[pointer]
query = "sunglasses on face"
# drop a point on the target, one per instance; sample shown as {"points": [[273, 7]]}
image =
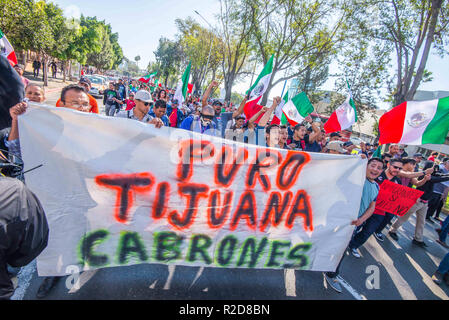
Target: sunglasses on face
{"points": [[207, 117], [146, 103]]}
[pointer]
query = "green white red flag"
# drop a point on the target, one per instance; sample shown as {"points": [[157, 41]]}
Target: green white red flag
{"points": [[416, 123], [343, 117], [181, 90], [279, 117], [7, 50], [148, 77], [297, 109], [258, 89]]}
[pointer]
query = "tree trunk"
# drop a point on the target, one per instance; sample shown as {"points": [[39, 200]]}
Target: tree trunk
{"points": [[64, 66], [44, 70], [228, 86], [70, 70]]}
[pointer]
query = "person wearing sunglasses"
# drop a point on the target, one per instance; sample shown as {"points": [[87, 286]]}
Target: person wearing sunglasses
{"points": [[421, 206], [141, 110], [379, 219], [202, 123], [86, 84]]}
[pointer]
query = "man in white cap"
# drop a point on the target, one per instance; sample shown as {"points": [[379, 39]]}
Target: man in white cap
{"points": [[140, 112], [335, 147]]}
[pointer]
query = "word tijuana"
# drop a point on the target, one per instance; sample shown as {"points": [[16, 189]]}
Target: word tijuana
{"points": [[284, 204]]}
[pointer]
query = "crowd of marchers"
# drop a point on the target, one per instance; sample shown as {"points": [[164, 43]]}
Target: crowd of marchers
{"points": [[159, 107]]}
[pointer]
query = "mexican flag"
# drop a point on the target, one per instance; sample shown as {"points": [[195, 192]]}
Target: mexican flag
{"points": [[377, 153], [148, 77], [279, 117], [416, 123], [181, 90], [343, 117], [7, 50], [154, 85], [258, 89], [297, 109]]}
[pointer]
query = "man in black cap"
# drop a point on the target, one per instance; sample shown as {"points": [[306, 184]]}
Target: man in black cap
{"points": [[334, 136], [418, 158]]}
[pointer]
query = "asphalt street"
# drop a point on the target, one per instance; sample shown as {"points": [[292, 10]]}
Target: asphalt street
{"points": [[389, 270]]}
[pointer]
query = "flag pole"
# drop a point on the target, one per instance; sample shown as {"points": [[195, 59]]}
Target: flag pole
{"points": [[252, 77]]}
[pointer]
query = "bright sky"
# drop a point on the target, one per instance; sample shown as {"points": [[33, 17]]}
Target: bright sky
{"points": [[140, 24]]}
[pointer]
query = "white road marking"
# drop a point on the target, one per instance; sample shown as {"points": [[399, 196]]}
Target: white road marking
{"points": [[153, 285], [84, 277], [198, 274], [350, 289], [379, 254], [290, 282], [171, 272], [428, 280], [24, 278]]}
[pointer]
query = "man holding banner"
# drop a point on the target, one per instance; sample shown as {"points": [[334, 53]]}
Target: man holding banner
{"points": [[420, 208], [367, 205], [380, 218]]}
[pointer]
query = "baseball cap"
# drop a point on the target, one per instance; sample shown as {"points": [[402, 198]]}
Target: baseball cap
{"points": [[217, 103], [85, 80], [143, 95], [348, 144], [336, 146], [418, 155], [21, 66], [335, 134], [175, 101], [240, 117]]}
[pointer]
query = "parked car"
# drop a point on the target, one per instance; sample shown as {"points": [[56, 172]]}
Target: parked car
{"points": [[98, 85]]}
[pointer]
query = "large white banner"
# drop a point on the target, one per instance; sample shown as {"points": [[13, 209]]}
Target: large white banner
{"points": [[120, 192]]}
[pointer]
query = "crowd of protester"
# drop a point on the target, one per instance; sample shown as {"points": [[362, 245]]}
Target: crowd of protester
{"points": [[158, 106]]}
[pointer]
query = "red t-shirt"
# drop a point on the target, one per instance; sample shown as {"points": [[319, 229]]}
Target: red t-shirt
{"points": [[130, 104]]}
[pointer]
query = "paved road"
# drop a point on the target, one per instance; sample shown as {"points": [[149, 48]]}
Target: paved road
{"points": [[404, 273]]}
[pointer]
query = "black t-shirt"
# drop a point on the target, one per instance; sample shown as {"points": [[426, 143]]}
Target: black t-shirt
{"points": [[109, 96], [383, 176], [302, 144]]}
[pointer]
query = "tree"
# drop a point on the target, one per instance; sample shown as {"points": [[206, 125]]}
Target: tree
{"points": [[409, 29], [137, 59], [108, 53], [169, 57], [201, 46], [364, 65], [301, 37], [237, 19]]}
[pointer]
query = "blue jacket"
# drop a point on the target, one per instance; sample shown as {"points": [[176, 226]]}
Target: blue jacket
{"points": [[164, 118], [193, 123], [180, 115]]}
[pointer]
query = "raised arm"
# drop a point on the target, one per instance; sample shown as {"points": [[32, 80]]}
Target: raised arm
{"points": [[266, 117], [315, 128], [257, 115], [239, 111], [411, 175], [206, 94]]}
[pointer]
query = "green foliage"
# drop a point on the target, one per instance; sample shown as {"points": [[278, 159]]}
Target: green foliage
{"points": [[200, 46], [169, 58], [408, 30], [41, 26]]}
